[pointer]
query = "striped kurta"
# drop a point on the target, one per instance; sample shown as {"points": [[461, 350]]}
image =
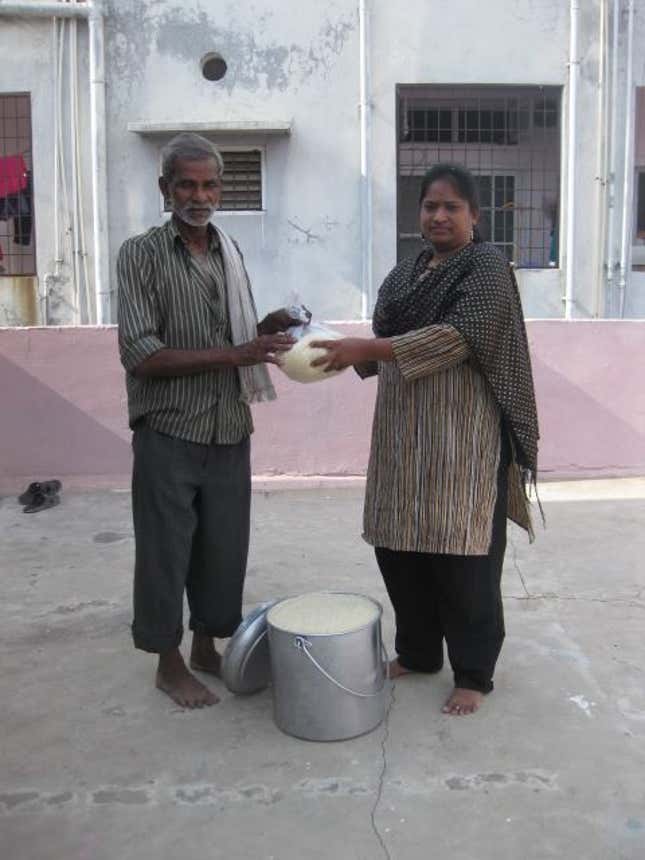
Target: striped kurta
{"points": [[432, 474], [168, 298]]}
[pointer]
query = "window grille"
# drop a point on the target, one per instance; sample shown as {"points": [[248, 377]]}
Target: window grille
{"points": [[509, 138], [17, 246], [242, 189]]}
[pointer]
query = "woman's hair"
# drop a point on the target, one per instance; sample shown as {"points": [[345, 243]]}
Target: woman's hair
{"points": [[188, 147], [461, 179]]}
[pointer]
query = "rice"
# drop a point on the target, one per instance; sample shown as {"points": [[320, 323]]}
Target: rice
{"points": [[296, 362], [323, 613]]}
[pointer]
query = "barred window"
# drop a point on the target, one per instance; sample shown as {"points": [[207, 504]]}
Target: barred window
{"points": [[509, 138], [242, 188], [17, 247]]}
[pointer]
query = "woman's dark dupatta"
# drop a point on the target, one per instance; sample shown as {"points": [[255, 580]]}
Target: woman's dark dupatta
{"points": [[474, 291]]}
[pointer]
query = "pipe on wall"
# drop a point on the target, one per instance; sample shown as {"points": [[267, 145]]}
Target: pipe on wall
{"points": [[603, 138], [367, 276], [44, 9], [611, 174], [99, 166], [574, 68], [628, 165]]}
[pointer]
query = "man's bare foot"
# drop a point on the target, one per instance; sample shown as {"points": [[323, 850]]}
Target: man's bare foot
{"points": [[397, 670], [174, 679], [204, 657], [463, 702]]}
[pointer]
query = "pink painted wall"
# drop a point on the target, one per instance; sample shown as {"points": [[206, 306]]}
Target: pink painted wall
{"points": [[64, 409]]}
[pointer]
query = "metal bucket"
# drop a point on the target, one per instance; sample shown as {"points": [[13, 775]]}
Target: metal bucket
{"points": [[328, 686]]}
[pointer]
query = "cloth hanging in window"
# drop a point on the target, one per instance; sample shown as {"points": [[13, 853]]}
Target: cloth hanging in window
{"points": [[13, 175], [18, 207]]}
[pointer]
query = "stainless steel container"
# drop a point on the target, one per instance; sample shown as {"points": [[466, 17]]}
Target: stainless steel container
{"points": [[329, 686]]}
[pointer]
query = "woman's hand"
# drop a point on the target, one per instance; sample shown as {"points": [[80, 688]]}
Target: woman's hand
{"points": [[351, 350]]}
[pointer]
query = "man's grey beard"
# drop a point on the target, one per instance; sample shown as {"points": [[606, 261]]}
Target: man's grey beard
{"points": [[187, 215]]}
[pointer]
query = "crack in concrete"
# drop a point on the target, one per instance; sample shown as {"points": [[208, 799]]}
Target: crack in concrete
{"points": [[517, 567], [384, 766], [308, 233], [609, 601]]}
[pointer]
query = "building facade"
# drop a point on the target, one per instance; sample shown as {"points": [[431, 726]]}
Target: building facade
{"points": [[327, 119]]}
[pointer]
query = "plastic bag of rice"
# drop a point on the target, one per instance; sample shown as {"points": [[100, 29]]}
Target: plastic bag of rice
{"points": [[296, 362]]}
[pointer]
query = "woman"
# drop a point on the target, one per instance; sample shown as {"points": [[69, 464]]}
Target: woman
{"points": [[454, 438]]}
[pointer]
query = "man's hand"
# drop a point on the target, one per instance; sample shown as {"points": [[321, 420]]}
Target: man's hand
{"points": [[279, 320], [351, 350], [263, 349]]}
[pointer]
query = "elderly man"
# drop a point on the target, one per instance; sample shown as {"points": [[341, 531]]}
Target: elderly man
{"points": [[195, 357]]}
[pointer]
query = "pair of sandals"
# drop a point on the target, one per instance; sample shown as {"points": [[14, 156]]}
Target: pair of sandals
{"points": [[40, 495]]}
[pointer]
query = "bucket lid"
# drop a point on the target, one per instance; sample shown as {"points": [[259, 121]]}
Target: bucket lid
{"points": [[246, 666]]}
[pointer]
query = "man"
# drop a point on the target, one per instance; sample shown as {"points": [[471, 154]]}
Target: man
{"points": [[195, 358]]}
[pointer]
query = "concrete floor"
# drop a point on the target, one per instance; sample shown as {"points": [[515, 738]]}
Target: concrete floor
{"points": [[95, 764]]}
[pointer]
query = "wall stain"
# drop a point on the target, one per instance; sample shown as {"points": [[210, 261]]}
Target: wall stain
{"points": [[127, 38], [189, 34]]}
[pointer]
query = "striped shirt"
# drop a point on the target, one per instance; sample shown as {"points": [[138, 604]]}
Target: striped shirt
{"points": [[432, 474], [170, 298]]}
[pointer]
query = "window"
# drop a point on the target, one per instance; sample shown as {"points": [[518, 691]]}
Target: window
{"points": [[509, 137], [242, 189], [242, 180], [498, 126], [497, 212], [17, 249], [429, 126]]}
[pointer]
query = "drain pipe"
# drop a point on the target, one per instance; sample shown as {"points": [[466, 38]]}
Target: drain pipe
{"points": [[574, 67], [366, 163], [93, 11], [628, 165], [601, 177], [613, 146], [35, 8], [99, 165]]}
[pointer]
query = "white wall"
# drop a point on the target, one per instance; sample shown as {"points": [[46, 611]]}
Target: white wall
{"points": [[282, 65], [301, 63]]}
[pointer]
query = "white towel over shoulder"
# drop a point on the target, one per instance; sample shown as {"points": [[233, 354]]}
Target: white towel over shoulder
{"points": [[255, 382]]}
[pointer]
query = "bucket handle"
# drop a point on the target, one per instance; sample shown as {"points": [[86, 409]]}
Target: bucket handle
{"points": [[303, 645]]}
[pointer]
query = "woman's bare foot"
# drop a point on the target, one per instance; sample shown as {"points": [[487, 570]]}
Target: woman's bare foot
{"points": [[462, 702], [397, 670], [174, 679], [204, 657]]}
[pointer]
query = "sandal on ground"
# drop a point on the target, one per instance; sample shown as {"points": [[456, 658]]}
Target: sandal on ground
{"points": [[45, 488], [40, 502]]}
